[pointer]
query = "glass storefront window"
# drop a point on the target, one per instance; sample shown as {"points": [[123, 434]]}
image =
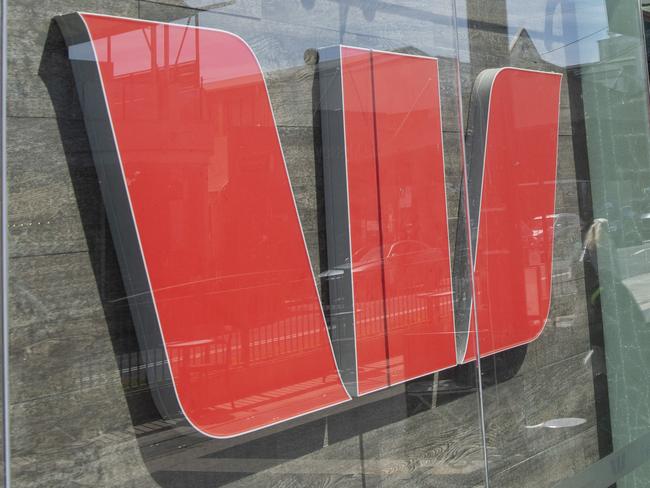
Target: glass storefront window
{"points": [[262, 243]]}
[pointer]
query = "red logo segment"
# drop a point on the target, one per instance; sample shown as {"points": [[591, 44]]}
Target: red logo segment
{"points": [[514, 256], [401, 274], [227, 264]]}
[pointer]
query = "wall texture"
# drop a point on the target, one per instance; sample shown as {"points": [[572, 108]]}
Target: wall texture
{"points": [[80, 409]]}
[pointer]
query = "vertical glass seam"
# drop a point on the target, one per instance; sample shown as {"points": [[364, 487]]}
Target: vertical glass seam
{"points": [[465, 203], [644, 49], [5, 253]]}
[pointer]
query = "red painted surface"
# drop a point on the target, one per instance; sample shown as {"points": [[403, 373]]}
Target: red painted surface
{"points": [[399, 236], [514, 258], [231, 279]]}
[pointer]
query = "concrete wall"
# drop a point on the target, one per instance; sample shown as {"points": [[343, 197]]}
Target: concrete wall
{"points": [[80, 409]]}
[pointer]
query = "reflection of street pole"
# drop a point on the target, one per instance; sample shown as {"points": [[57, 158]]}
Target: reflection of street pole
{"points": [[488, 36], [487, 48], [344, 9]]}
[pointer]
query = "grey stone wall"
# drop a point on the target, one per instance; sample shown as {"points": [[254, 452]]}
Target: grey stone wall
{"points": [[80, 410]]}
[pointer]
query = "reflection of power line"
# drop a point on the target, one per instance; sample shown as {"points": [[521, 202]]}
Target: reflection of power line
{"points": [[574, 41], [207, 5], [369, 10]]}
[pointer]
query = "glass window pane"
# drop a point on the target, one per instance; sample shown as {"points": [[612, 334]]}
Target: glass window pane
{"points": [[578, 393]]}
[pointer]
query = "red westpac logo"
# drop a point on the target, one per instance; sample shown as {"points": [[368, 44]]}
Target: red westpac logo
{"points": [[210, 242]]}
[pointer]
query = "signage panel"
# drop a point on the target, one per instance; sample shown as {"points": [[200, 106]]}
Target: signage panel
{"points": [[391, 174], [197, 166], [210, 244]]}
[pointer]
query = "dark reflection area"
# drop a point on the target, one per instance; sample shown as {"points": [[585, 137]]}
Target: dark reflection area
{"points": [[311, 59], [174, 454], [455, 383], [594, 311], [502, 366], [495, 369]]}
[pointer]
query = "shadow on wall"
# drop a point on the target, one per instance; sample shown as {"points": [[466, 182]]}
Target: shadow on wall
{"points": [[164, 442]]}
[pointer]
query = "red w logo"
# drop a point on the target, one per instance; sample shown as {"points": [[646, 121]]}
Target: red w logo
{"points": [[210, 243]]}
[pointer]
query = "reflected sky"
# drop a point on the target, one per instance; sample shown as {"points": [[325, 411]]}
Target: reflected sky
{"points": [[565, 32]]}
